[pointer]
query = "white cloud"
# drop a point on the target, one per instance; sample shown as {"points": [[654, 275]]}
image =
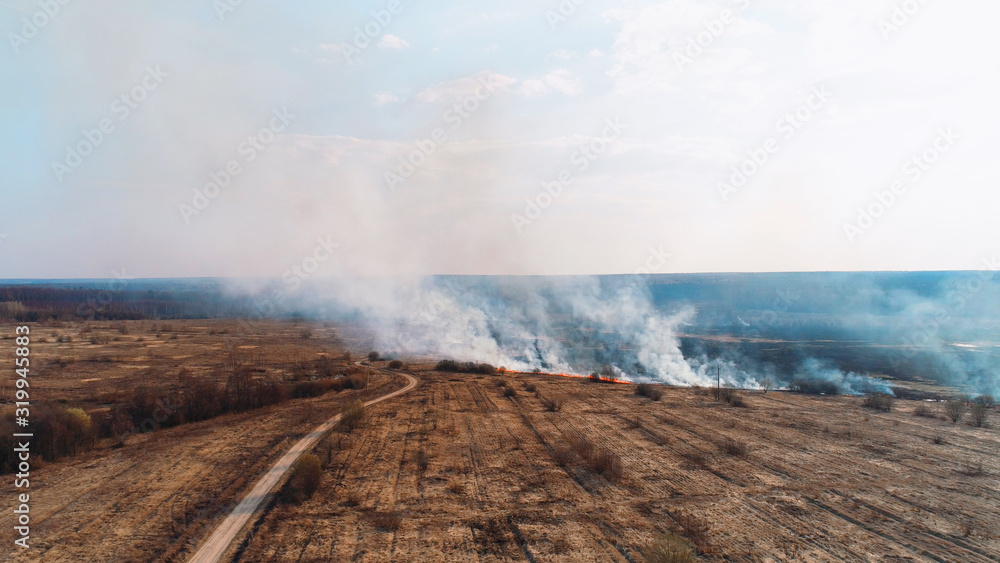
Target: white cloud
{"points": [[393, 42], [382, 98], [466, 86], [562, 54], [559, 80]]}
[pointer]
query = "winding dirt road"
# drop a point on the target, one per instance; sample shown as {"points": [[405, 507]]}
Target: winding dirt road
{"points": [[220, 540]]}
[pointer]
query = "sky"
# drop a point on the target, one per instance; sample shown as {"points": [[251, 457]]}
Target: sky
{"points": [[223, 138]]}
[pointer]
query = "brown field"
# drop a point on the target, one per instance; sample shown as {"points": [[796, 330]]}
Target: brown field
{"points": [[461, 469]]}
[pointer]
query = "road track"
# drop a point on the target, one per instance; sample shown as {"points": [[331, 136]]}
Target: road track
{"points": [[249, 508]]}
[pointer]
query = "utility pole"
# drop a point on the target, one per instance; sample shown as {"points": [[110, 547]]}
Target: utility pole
{"points": [[718, 375]]}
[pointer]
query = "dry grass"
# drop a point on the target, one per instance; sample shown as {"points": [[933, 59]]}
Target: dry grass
{"points": [[654, 392], [670, 548], [351, 415], [734, 447], [552, 405], [978, 415], [955, 410], [387, 521], [305, 479], [881, 402]]}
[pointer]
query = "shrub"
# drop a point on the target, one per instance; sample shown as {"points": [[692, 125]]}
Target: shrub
{"points": [[562, 456], [351, 415], [509, 392], [306, 475], [422, 460], [766, 384], [734, 448], [530, 387], [552, 405], [396, 364], [980, 413], [670, 548], [373, 356], [878, 401], [986, 400], [388, 521], [955, 409], [923, 411], [608, 464], [729, 395], [654, 392], [465, 367]]}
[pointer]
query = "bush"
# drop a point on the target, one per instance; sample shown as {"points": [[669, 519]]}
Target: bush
{"points": [[203, 400], [373, 356], [670, 548], [388, 521], [306, 475], [955, 409], [608, 464], [552, 405], [351, 415], [654, 392], [62, 433], [878, 401], [923, 411], [465, 367], [396, 364], [979, 414], [562, 456], [509, 392], [530, 387], [986, 400], [734, 448], [729, 395]]}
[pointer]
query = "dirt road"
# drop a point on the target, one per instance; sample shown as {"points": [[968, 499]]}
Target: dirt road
{"points": [[220, 540]]}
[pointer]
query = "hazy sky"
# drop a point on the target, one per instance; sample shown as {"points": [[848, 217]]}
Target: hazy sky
{"points": [[644, 108]]}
